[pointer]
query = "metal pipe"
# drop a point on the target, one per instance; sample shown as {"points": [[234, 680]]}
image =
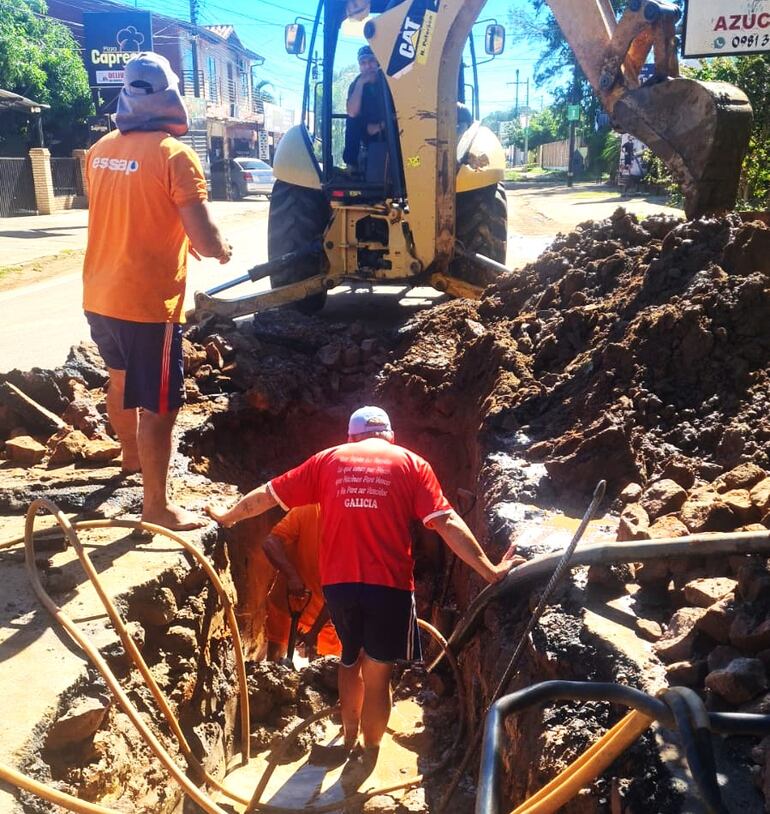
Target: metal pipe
{"points": [[694, 545]]}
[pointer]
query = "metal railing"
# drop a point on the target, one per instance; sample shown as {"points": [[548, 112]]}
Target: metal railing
{"points": [[17, 187], [66, 176]]}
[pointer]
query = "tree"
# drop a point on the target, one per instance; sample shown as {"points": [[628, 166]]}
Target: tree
{"points": [[39, 59]]}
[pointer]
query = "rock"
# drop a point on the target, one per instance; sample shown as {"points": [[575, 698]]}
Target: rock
{"points": [[667, 527], [634, 523], [158, 610], [678, 641], [330, 355], [718, 619], [721, 656], [753, 581], [739, 503], [748, 634], [686, 673], [680, 470], [80, 721], [83, 415], [613, 577], [631, 493], [654, 573], [760, 496], [742, 680], [743, 476], [180, 639], [25, 450], [368, 348], [193, 357], [351, 356], [703, 593], [758, 706], [662, 497], [704, 510], [76, 446], [648, 629]]}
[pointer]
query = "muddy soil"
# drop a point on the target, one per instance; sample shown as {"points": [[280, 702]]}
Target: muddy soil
{"points": [[635, 351]]}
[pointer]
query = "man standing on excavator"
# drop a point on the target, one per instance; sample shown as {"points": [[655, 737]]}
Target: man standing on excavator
{"points": [[369, 490], [147, 209], [365, 108]]}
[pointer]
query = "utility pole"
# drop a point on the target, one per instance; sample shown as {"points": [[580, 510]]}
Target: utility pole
{"points": [[526, 128], [194, 10], [516, 106], [571, 149]]}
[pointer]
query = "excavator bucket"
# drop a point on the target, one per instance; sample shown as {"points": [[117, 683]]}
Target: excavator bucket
{"points": [[699, 129]]}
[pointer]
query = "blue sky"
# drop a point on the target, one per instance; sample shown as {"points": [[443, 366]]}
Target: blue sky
{"points": [[260, 24]]}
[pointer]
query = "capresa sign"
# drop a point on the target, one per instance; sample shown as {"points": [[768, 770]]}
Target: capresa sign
{"points": [[112, 38]]}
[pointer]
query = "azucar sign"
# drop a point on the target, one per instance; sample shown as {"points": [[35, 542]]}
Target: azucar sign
{"points": [[112, 39], [723, 27]]}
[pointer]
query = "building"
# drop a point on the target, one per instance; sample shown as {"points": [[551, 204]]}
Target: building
{"points": [[217, 76]]}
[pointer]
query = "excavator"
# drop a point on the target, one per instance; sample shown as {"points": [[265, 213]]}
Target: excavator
{"points": [[426, 205]]}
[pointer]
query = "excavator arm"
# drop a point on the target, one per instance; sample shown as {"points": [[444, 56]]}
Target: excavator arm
{"points": [[699, 129]]}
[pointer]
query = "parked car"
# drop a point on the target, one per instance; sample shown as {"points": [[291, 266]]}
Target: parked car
{"points": [[248, 176]]}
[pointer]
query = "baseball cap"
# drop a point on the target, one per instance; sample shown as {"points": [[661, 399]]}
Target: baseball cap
{"points": [[149, 99], [368, 419], [365, 51], [148, 73]]}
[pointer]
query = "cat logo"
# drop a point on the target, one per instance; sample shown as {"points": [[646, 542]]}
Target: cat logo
{"points": [[409, 38]]}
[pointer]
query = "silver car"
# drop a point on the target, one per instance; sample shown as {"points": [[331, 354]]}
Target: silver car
{"points": [[248, 176], [256, 176]]}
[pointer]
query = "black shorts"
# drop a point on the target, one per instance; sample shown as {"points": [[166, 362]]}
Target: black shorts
{"points": [[379, 620], [151, 355]]}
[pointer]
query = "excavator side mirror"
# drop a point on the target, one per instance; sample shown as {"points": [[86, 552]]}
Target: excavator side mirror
{"points": [[494, 41], [294, 39]]}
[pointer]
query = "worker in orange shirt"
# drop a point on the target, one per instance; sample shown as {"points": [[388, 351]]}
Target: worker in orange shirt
{"points": [[147, 210], [292, 549]]}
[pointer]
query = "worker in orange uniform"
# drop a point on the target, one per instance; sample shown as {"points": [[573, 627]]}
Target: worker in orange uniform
{"points": [[147, 210], [292, 549]]}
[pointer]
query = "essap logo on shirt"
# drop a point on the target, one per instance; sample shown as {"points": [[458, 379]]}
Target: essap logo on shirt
{"points": [[124, 165]]}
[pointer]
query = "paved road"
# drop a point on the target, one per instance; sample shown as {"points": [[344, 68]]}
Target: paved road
{"points": [[41, 321]]}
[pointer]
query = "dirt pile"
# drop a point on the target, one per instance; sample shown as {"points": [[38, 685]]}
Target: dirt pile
{"points": [[626, 346]]}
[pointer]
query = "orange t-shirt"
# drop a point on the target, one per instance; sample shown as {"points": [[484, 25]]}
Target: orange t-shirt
{"points": [[300, 533], [136, 260]]}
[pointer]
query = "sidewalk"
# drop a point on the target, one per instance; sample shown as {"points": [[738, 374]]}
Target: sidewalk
{"points": [[33, 237]]}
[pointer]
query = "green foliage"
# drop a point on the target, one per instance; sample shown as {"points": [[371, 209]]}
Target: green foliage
{"points": [[39, 59], [752, 75]]}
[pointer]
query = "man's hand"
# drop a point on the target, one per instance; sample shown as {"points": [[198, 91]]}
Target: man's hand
{"points": [[509, 561], [227, 253], [296, 586], [220, 515]]}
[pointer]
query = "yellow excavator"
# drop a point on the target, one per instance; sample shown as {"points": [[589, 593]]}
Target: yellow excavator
{"points": [[423, 203]]}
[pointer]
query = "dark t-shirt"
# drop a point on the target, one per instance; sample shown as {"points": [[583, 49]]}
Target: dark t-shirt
{"points": [[372, 108]]}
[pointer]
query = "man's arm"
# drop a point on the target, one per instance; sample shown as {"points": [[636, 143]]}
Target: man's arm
{"points": [[356, 97], [276, 554], [460, 539], [204, 234], [256, 502]]}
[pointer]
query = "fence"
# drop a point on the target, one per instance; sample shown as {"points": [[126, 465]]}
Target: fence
{"points": [[17, 187], [65, 173], [555, 155]]}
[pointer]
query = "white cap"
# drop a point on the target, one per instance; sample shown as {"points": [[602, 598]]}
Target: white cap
{"points": [[368, 419]]}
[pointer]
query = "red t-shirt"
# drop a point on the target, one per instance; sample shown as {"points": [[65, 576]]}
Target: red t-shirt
{"points": [[369, 492]]}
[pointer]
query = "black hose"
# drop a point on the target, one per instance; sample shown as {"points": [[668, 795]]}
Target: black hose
{"points": [[699, 754]]}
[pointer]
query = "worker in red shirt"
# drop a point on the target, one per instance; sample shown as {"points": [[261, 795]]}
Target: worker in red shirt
{"points": [[369, 490]]}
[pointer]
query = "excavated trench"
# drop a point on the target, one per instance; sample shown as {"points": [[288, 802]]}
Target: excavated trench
{"points": [[635, 352]]}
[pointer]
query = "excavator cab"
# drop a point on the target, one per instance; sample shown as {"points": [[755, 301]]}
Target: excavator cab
{"points": [[422, 201], [416, 198]]}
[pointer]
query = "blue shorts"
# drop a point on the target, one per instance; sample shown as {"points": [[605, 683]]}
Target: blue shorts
{"points": [[379, 620], [151, 355]]}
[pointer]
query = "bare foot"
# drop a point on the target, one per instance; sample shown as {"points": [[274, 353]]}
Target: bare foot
{"points": [[174, 518], [129, 464]]}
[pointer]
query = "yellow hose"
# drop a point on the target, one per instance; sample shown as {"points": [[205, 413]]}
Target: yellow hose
{"points": [[587, 767]]}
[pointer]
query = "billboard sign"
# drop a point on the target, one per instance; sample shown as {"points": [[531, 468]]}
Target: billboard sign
{"points": [[726, 27], [112, 38]]}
